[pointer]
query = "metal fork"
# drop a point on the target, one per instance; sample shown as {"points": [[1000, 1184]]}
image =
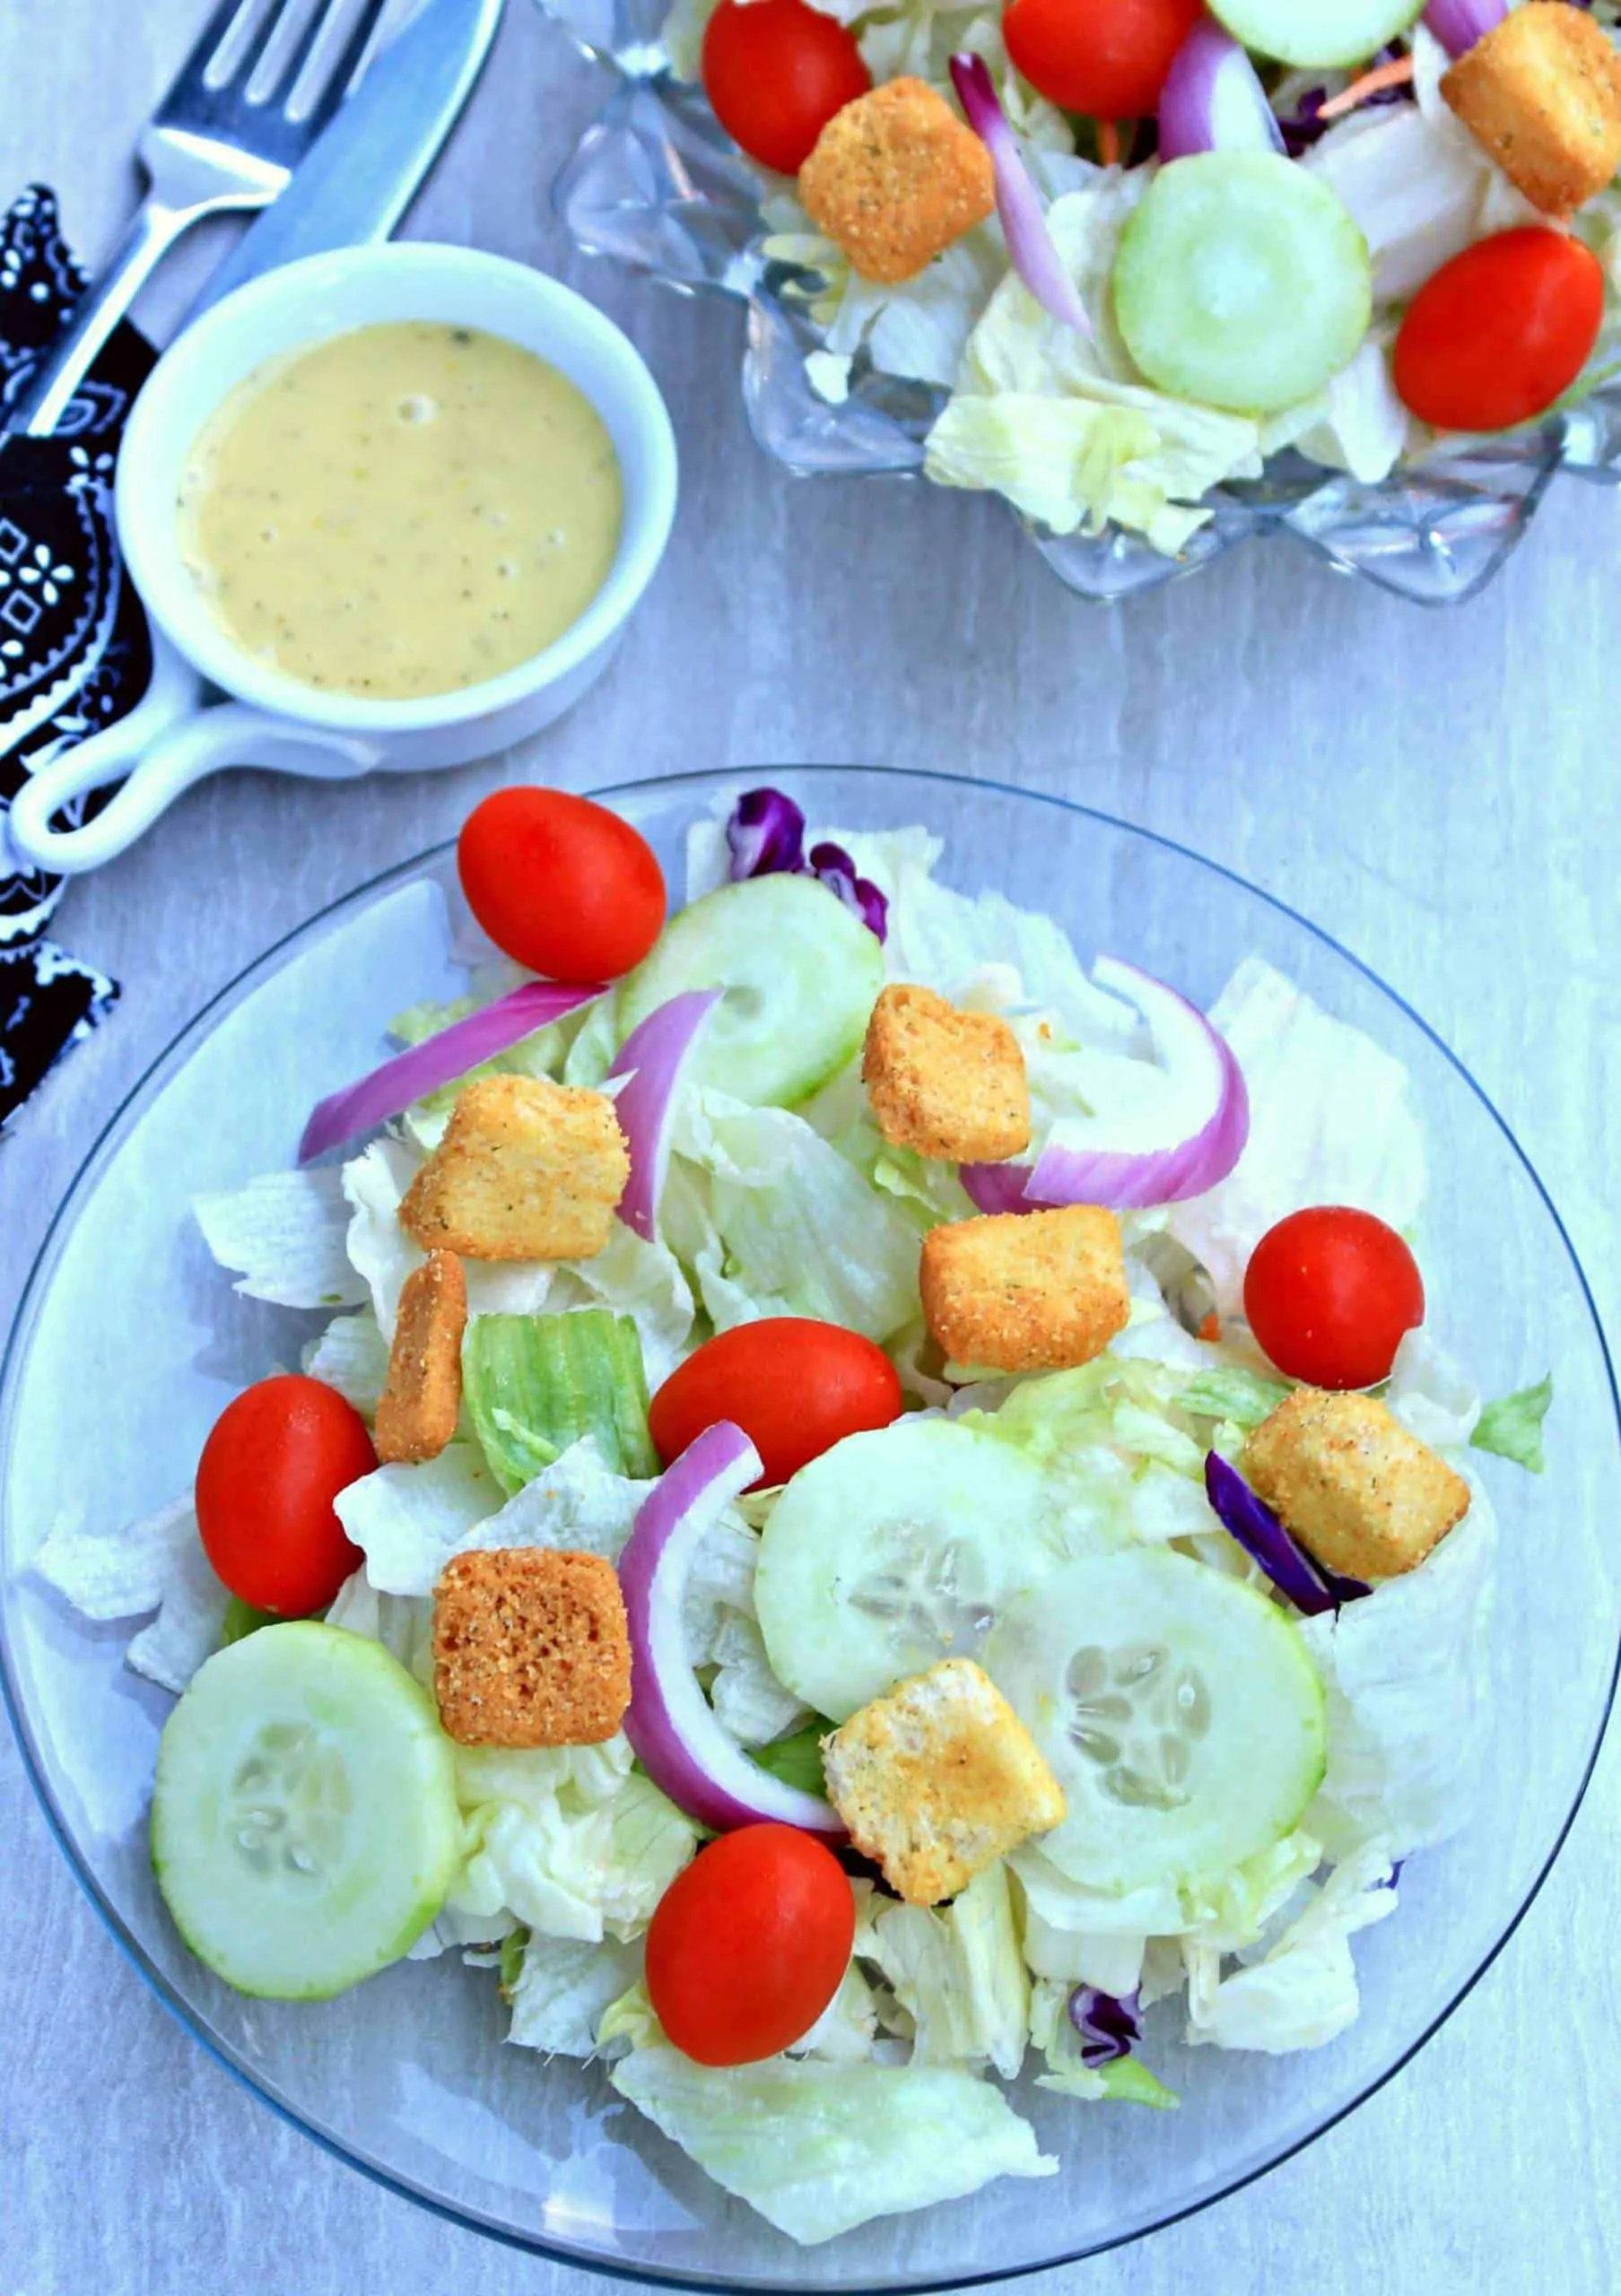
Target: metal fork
{"points": [[229, 133]]}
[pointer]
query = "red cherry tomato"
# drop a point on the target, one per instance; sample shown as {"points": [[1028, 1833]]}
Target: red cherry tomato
{"points": [[1329, 1293], [1501, 331], [277, 1458], [749, 1944], [563, 886], [793, 1385], [1107, 58], [776, 72]]}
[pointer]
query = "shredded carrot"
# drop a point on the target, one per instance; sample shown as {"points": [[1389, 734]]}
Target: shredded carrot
{"points": [[1372, 84], [1211, 1327], [1108, 142]]}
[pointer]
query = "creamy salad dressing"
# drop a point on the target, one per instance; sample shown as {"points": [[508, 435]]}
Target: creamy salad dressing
{"points": [[404, 509]]}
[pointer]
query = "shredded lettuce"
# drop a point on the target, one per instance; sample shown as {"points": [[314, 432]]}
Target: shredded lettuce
{"points": [[797, 1759], [960, 1975], [817, 2149], [352, 1355], [534, 1384], [747, 1697], [1406, 1673], [1230, 1391], [571, 1840], [773, 1221], [282, 1235], [409, 1521], [559, 1990], [1512, 1426], [1302, 1993], [156, 1564]]}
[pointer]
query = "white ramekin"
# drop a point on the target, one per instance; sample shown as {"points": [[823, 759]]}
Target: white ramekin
{"points": [[179, 731]]}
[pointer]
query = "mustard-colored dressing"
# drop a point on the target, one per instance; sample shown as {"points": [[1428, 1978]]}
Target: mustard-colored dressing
{"points": [[403, 510]]}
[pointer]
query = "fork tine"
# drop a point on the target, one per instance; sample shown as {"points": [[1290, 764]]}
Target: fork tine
{"points": [[206, 46], [254, 54], [343, 68], [314, 32]]}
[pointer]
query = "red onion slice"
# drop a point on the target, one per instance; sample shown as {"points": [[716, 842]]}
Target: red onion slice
{"points": [[652, 1058], [1212, 100], [680, 1745], [1132, 1179], [1457, 24], [1030, 247], [440, 1060]]}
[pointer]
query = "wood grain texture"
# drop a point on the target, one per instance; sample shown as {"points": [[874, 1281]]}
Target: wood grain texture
{"points": [[1441, 792]]}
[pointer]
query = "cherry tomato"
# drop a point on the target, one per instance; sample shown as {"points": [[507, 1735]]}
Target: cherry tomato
{"points": [[749, 1944], [1329, 1293], [563, 886], [776, 72], [793, 1385], [275, 1461], [1107, 58], [1498, 334]]}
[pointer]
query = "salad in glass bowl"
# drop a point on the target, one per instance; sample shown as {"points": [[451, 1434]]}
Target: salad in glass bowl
{"points": [[1157, 275], [880, 1510]]}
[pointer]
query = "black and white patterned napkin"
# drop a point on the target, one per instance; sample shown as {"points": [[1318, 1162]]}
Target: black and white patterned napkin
{"points": [[74, 653]]}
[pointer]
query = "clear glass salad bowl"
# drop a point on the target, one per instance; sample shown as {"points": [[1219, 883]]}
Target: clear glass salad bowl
{"points": [[406, 2077], [657, 185]]}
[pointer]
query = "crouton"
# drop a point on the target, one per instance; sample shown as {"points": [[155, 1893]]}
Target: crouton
{"points": [[1026, 1292], [1542, 94], [525, 1170], [1366, 1497], [950, 1084], [895, 179], [938, 1778], [530, 1649], [422, 1396]]}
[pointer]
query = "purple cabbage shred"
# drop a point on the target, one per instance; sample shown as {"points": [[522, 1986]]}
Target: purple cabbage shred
{"points": [[765, 834], [765, 837], [1305, 126], [1310, 1585], [832, 866], [1109, 2028]]}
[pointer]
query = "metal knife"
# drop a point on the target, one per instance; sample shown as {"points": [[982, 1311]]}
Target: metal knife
{"points": [[364, 170]]}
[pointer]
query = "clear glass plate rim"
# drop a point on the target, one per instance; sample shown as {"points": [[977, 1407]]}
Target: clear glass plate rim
{"points": [[321, 925]]}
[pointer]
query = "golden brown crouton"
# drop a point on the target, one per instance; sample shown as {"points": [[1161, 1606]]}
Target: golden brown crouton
{"points": [[422, 1396], [1542, 94], [938, 1778], [525, 1170], [530, 1649], [949, 1085], [1352, 1484], [1026, 1292], [895, 179]]}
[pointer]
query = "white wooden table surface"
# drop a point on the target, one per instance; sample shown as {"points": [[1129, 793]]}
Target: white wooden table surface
{"points": [[1442, 792]]}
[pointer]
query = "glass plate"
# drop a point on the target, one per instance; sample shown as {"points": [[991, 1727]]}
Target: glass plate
{"points": [[130, 1341], [656, 184]]}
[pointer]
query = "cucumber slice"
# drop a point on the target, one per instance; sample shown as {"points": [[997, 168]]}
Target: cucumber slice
{"points": [[1316, 32], [895, 1550], [304, 1826], [1177, 1708], [801, 974], [1241, 281]]}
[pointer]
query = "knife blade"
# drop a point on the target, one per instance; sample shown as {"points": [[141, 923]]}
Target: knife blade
{"points": [[364, 169]]}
